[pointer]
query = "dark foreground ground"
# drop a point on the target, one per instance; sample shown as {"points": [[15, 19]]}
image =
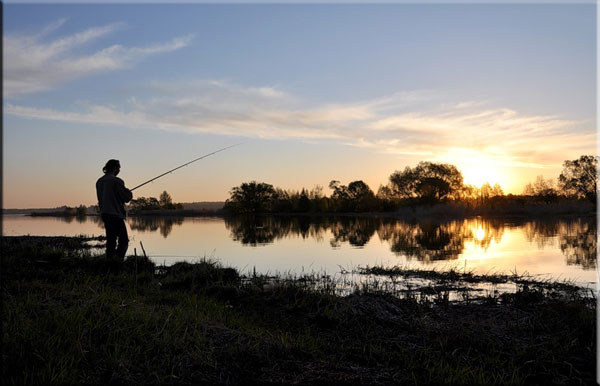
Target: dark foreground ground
{"points": [[68, 317]]}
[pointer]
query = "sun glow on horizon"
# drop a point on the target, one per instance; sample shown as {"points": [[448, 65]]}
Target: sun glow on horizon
{"points": [[478, 175], [478, 168]]}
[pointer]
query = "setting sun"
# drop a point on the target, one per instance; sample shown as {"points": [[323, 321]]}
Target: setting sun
{"points": [[478, 175], [477, 168]]}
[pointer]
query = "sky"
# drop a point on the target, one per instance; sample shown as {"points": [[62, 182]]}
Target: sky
{"points": [[313, 93]]}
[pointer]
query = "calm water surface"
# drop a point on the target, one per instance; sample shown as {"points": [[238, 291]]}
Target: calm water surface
{"points": [[558, 248]]}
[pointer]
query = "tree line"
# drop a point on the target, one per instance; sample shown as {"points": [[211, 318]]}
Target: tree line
{"points": [[425, 184], [164, 202]]}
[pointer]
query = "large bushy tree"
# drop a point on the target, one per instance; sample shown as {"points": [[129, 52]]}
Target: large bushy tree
{"points": [[580, 177], [251, 197], [428, 181], [356, 197]]}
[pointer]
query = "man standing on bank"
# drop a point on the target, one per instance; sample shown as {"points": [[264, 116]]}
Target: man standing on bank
{"points": [[112, 196]]}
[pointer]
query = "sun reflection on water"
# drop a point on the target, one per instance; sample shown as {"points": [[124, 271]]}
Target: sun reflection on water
{"points": [[479, 234]]}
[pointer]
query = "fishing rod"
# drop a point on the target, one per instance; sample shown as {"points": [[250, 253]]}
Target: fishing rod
{"points": [[185, 164]]}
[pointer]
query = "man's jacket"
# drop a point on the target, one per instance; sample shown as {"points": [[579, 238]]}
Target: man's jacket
{"points": [[112, 195]]}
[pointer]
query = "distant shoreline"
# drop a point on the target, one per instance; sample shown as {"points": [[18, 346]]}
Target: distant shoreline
{"points": [[440, 210], [61, 211]]}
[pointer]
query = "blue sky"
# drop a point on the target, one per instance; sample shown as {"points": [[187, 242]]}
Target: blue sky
{"points": [[316, 92]]}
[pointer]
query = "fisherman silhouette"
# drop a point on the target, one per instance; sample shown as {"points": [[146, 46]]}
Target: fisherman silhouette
{"points": [[112, 196]]}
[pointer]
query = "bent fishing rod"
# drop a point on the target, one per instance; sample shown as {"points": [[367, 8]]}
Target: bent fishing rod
{"points": [[185, 164]]}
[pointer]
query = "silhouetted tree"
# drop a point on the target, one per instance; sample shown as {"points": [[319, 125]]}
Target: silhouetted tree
{"points": [[319, 203], [361, 196], [152, 203], [469, 191], [385, 193], [486, 191], [580, 177], [303, 202], [81, 211], [403, 184], [432, 189], [68, 210], [386, 198], [340, 196], [542, 189], [165, 201], [357, 196], [497, 190], [428, 181], [251, 197], [340, 192]]}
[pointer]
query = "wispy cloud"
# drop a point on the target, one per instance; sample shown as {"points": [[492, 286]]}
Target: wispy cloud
{"points": [[505, 135], [33, 64], [413, 124]]}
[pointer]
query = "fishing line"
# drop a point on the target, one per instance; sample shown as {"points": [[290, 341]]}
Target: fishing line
{"points": [[185, 164]]}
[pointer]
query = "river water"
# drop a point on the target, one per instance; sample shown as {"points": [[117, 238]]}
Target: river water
{"points": [[563, 249]]}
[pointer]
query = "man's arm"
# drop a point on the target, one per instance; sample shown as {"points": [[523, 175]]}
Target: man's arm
{"points": [[124, 193], [128, 195]]}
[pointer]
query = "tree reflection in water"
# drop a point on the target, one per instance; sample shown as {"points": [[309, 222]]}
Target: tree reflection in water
{"points": [[578, 243], [576, 238], [95, 220], [542, 232], [425, 240], [253, 230], [260, 230], [355, 231], [163, 224], [484, 231]]}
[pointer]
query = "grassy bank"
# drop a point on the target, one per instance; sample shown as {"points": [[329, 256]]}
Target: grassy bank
{"points": [[68, 317]]}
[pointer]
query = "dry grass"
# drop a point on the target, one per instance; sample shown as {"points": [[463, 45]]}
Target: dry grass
{"points": [[69, 317]]}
